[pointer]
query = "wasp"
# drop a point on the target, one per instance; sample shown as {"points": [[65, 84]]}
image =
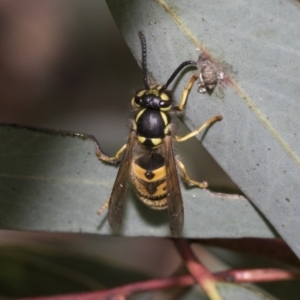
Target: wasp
{"points": [[148, 156]]}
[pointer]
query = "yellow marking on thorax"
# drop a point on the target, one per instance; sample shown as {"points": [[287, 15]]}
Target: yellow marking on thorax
{"points": [[139, 114], [164, 117], [167, 129], [141, 93], [165, 108], [141, 139], [133, 103], [164, 97], [156, 141], [155, 92]]}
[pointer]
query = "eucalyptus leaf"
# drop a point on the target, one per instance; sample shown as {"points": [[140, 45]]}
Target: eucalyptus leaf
{"points": [[230, 291], [245, 292], [53, 181], [257, 45]]}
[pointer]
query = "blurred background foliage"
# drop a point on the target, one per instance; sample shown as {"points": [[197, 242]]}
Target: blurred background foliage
{"points": [[64, 65]]}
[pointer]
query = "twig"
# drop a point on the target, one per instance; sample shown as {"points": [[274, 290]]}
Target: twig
{"points": [[240, 276], [257, 275], [201, 275], [126, 290]]}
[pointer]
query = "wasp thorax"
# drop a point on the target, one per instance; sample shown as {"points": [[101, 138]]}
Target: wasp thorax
{"points": [[151, 126]]}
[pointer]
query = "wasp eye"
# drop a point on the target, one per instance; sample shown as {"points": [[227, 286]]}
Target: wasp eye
{"points": [[137, 100]]}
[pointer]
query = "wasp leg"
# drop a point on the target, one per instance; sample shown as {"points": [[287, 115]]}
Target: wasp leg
{"points": [[201, 185], [195, 132], [103, 208], [185, 93], [106, 158]]}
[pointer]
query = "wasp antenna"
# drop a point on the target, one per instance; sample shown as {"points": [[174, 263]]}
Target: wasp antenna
{"points": [[144, 60], [175, 73]]}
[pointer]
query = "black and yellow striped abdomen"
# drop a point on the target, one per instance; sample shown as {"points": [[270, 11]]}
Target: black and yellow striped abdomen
{"points": [[148, 175]]}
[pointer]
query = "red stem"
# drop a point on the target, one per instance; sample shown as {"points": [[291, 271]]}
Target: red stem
{"points": [[124, 291], [201, 274], [255, 275], [196, 269]]}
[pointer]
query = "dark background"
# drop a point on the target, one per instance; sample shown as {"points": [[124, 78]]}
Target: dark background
{"points": [[64, 65]]}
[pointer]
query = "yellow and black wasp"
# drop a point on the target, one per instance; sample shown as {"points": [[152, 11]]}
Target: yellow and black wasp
{"points": [[148, 156]]}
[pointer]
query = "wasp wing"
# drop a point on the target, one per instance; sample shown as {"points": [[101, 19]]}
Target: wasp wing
{"points": [[174, 198], [117, 197]]}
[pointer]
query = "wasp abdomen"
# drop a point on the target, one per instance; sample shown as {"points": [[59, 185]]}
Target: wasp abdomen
{"points": [[148, 174]]}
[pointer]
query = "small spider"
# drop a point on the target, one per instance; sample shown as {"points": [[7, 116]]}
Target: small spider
{"points": [[209, 75]]}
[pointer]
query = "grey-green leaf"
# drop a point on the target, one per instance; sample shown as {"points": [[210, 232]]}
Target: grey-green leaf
{"points": [[245, 292], [53, 181], [257, 45], [230, 291]]}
